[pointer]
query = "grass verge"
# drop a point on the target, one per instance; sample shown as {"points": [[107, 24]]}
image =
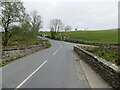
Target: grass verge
{"points": [[108, 55], [3, 63], [49, 45]]}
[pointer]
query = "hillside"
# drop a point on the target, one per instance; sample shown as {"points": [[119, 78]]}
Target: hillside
{"points": [[97, 36]]}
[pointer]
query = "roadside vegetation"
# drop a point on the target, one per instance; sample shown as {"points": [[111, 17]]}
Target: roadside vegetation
{"points": [[49, 45], [21, 41], [110, 55], [3, 63]]}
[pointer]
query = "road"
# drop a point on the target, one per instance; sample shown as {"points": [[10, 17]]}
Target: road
{"points": [[55, 67]]}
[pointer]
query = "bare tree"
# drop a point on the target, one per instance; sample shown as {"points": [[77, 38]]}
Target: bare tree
{"points": [[56, 25], [36, 20], [12, 13], [68, 28]]}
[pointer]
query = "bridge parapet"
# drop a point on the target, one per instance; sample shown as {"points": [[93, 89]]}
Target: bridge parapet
{"points": [[107, 70]]}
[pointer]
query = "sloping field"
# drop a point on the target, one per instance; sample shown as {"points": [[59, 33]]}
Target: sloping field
{"points": [[96, 36]]}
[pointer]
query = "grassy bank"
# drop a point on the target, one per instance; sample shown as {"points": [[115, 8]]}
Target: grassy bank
{"points": [[109, 55], [22, 41]]}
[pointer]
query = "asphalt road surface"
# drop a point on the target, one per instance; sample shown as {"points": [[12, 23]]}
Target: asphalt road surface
{"points": [[55, 67]]}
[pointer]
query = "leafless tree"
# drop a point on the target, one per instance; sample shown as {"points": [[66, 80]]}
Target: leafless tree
{"points": [[56, 24], [68, 28], [36, 20]]}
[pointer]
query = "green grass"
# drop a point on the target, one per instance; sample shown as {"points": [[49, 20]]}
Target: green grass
{"points": [[23, 37], [108, 55], [23, 40], [3, 63], [96, 36], [92, 36], [49, 45]]}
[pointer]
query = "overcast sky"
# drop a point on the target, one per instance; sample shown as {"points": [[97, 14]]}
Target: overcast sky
{"points": [[95, 14]]}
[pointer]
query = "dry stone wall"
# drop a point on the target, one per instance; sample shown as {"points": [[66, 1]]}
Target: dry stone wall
{"points": [[107, 70], [8, 54]]}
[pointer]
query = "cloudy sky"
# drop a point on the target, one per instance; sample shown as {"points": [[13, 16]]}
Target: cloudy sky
{"points": [[91, 14]]}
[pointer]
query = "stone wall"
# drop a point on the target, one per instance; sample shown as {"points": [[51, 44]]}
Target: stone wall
{"points": [[88, 47], [92, 48], [8, 54], [96, 43], [107, 70]]}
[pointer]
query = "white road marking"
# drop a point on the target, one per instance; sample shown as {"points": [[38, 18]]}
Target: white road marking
{"points": [[55, 52], [30, 75]]}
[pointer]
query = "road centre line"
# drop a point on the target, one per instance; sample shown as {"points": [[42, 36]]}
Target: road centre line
{"points": [[55, 51], [30, 76]]}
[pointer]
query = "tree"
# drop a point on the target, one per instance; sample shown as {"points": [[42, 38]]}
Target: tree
{"points": [[36, 21], [12, 13], [75, 29], [68, 28], [56, 24], [26, 26], [31, 24], [52, 33], [16, 30]]}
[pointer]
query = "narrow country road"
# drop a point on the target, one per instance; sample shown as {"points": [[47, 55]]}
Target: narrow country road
{"points": [[55, 67]]}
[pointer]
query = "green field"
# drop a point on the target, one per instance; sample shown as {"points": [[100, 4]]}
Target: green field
{"points": [[96, 36]]}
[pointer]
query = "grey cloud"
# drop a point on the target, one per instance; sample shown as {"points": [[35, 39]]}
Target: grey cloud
{"points": [[92, 15]]}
